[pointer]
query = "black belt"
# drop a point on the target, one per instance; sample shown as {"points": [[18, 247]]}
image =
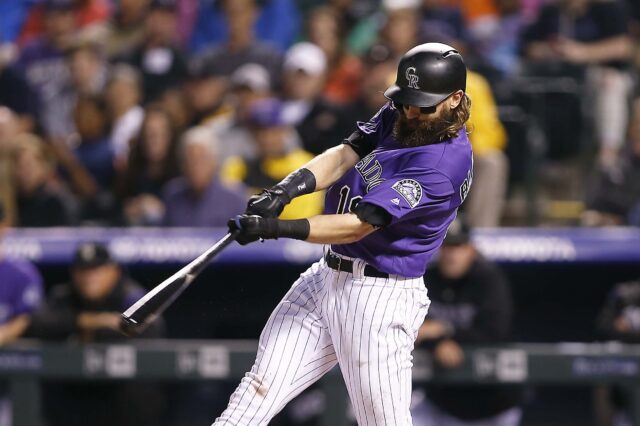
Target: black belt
{"points": [[341, 264]]}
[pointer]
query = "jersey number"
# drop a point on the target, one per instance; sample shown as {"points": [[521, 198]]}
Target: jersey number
{"points": [[344, 196]]}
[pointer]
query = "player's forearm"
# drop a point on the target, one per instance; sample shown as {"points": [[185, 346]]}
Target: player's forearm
{"points": [[13, 329], [337, 229], [329, 166]]}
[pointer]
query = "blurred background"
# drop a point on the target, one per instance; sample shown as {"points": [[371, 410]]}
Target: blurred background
{"points": [[131, 130]]}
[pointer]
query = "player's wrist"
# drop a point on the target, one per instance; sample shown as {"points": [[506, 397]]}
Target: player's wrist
{"points": [[272, 228], [296, 229], [297, 183]]}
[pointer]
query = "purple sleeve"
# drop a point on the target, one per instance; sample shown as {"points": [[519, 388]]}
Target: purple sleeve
{"points": [[411, 195], [28, 292], [369, 133]]}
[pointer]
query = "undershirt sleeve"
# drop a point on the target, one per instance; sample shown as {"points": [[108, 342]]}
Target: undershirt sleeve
{"points": [[372, 214]]}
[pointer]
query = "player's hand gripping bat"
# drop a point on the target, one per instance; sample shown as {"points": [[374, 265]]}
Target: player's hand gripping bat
{"points": [[148, 308]]}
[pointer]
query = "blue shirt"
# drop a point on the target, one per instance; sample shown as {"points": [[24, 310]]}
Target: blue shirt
{"points": [[421, 188], [20, 289], [212, 208]]}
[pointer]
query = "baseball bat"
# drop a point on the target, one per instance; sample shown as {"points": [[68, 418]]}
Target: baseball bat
{"points": [[153, 304]]}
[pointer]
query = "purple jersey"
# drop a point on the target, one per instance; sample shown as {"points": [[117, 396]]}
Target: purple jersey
{"points": [[20, 289], [421, 188]]}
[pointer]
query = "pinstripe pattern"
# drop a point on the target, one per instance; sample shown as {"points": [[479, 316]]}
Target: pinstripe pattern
{"points": [[366, 325]]}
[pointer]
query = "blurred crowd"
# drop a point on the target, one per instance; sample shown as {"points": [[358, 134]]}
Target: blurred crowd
{"points": [[171, 112]]}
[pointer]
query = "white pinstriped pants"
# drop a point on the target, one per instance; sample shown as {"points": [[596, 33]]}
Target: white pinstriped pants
{"points": [[367, 325]]}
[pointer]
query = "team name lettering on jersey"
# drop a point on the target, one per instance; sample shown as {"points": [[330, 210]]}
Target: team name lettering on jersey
{"points": [[370, 171], [466, 185]]}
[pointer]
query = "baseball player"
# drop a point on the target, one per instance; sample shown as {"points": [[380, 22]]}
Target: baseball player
{"points": [[393, 187]]}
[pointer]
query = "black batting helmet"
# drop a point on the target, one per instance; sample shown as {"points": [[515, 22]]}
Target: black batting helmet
{"points": [[427, 75]]}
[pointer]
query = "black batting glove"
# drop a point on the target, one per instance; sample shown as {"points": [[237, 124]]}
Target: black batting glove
{"points": [[252, 228], [269, 203]]}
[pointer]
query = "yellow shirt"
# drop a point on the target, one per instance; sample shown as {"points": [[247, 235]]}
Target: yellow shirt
{"points": [[487, 133], [235, 170]]}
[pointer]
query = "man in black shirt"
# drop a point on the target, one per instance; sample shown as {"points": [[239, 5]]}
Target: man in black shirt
{"points": [[87, 310], [470, 304], [591, 36]]}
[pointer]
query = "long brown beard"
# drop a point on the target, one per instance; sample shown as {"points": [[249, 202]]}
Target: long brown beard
{"points": [[414, 132]]}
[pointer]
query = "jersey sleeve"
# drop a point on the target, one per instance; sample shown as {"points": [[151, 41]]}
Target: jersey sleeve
{"points": [[412, 195], [368, 134], [29, 293]]}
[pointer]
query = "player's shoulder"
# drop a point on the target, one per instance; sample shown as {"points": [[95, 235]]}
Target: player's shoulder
{"points": [[380, 121], [23, 271]]}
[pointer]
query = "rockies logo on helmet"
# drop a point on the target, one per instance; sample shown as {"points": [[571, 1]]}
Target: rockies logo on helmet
{"points": [[412, 77]]}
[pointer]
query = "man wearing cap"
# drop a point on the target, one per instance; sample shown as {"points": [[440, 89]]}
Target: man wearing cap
{"points": [[87, 310], [278, 155], [393, 189], [250, 83], [320, 123], [470, 304]]}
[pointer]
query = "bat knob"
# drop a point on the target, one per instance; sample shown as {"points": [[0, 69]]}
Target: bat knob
{"points": [[129, 327]]}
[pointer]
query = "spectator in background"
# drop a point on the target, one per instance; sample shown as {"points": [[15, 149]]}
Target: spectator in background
{"points": [[470, 303], [152, 163], [396, 27], [86, 13], [198, 198], [498, 42], [89, 163], [123, 96], [380, 74], [618, 320], [9, 129], [278, 155], [443, 23], [126, 27], [175, 102], [401, 30], [87, 68], [614, 194], [353, 11], [87, 310], [94, 150], [320, 123], [242, 46], [20, 294], [42, 62], [88, 71], [276, 22], [161, 62], [249, 84], [205, 93], [39, 201], [345, 71], [490, 164], [16, 95], [594, 35]]}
